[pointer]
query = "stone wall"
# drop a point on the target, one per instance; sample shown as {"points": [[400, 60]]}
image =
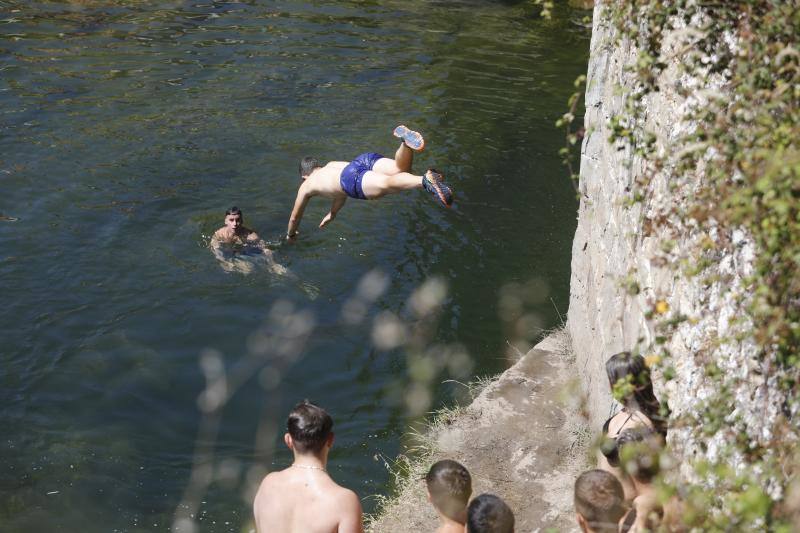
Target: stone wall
{"points": [[613, 258]]}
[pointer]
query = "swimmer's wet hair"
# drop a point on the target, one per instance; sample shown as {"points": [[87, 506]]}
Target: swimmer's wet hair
{"points": [[489, 514], [309, 425], [450, 486], [600, 500], [234, 211], [307, 165]]}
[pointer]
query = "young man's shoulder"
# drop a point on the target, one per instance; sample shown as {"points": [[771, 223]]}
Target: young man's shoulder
{"points": [[272, 481], [344, 495], [347, 501], [221, 233]]}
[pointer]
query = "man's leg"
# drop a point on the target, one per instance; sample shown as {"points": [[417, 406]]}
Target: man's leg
{"points": [[403, 158], [376, 184]]}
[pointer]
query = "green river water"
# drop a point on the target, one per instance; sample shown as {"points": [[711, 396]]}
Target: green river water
{"points": [[128, 127]]}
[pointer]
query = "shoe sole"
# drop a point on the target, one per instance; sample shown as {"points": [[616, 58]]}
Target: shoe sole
{"points": [[437, 187], [411, 138]]}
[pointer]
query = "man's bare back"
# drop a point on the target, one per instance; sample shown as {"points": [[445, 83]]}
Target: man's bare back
{"points": [[305, 500], [367, 177], [324, 181]]}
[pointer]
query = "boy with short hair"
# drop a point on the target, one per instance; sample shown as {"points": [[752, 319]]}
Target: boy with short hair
{"points": [[303, 498], [449, 487], [599, 502], [369, 176], [489, 514], [640, 456], [242, 242]]}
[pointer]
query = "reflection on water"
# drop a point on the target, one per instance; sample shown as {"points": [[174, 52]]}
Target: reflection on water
{"points": [[126, 129]]}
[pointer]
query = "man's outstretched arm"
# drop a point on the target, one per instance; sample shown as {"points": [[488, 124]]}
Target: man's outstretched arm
{"points": [[297, 212], [337, 204]]}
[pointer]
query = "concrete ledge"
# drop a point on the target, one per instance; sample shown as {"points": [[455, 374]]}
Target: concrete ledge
{"points": [[521, 438]]}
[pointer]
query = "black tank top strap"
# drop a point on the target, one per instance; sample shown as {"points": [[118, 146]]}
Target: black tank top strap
{"points": [[608, 422], [630, 519]]}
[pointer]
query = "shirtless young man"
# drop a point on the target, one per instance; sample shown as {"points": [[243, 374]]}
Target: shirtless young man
{"points": [[303, 498], [236, 234], [233, 232], [367, 177]]}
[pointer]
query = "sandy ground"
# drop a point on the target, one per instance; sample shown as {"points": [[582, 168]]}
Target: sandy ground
{"points": [[522, 439]]}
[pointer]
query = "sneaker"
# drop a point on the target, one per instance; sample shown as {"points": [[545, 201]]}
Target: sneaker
{"points": [[432, 182], [411, 138]]}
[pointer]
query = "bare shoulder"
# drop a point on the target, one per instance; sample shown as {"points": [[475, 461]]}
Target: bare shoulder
{"points": [[349, 510], [348, 501], [221, 234], [347, 495], [270, 481]]}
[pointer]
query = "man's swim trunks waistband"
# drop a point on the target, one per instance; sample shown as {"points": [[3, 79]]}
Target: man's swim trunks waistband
{"points": [[353, 174]]}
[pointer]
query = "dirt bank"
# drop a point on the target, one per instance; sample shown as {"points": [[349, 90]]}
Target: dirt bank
{"points": [[521, 438]]}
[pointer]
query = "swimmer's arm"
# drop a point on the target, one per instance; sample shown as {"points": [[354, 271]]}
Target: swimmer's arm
{"points": [[337, 204], [303, 196], [350, 521], [216, 246]]}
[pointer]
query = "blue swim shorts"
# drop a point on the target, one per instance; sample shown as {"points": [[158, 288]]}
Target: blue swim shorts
{"points": [[352, 174]]}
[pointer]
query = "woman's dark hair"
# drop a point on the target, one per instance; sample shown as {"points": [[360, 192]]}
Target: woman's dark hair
{"points": [[307, 165], [234, 211], [450, 486], [624, 364], [309, 425], [489, 514]]}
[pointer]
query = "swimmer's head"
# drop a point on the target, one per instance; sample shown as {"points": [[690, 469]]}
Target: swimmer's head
{"points": [[309, 428], [307, 166], [234, 218], [449, 488]]}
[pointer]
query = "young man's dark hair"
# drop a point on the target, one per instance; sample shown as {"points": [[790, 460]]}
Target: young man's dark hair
{"points": [[234, 211], [309, 426], [639, 450], [307, 165], [450, 487], [599, 501], [489, 514]]}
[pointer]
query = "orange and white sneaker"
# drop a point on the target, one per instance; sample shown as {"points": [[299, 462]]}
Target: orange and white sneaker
{"points": [[432, 182], [412, 139]]}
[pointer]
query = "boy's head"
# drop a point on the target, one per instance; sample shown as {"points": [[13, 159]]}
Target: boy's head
{"points": [[449, 488], [489, 514], [309, 428], [234, 218], [599, 501], [307, 166]]}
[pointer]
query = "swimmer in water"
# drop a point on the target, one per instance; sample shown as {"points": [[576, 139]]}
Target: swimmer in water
{"points": [[234, 232], [241, 240], [368, 177]]}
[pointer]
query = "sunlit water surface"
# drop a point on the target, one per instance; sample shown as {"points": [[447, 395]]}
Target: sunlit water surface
{"points": [[128, 127]]}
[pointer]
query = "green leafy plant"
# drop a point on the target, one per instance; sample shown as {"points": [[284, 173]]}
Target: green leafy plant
{"points": [[738, 169]]}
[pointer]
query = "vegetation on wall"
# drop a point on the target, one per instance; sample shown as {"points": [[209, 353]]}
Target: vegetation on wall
{"points": [[735, 177]]}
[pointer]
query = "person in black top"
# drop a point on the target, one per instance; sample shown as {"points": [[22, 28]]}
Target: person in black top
{"points": [[629, 378]]}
